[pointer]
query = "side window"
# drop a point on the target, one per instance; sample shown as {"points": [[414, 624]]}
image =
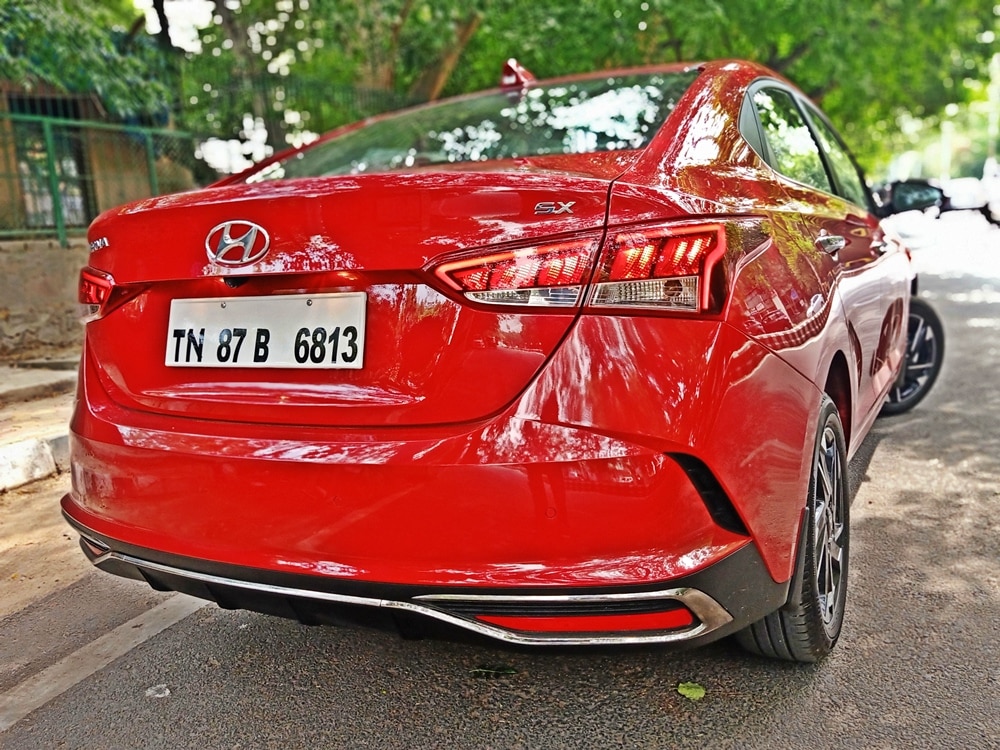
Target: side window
{"points": [[851, 185], [794, 152]]}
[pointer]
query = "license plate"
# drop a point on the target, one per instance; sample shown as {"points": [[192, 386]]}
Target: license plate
{"points": [[318, 331]]}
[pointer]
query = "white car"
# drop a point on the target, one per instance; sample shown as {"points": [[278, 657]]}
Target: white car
{"points": [[972, 194]]}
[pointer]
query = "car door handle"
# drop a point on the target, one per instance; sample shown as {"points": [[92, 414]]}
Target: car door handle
{"points": [[831, 244]]}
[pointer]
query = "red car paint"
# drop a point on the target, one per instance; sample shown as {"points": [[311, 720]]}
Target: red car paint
{"points": [[491, 448]]}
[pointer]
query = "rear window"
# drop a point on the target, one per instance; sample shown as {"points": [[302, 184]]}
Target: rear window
{"points": [[599, 114]]}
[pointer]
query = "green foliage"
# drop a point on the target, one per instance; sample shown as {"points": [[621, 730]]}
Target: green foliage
{"points": [[311, 65], [81, 46], [863, 61], [297, 66]]}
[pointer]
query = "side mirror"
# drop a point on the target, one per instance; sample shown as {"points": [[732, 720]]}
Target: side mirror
{"points": [[912, 195]]}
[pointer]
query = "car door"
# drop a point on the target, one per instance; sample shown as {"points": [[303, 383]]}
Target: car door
{"points": [[839, 237], [870, 244]]}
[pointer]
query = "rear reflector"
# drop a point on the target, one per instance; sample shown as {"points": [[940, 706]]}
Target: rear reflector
{"points": [[98, 294], [673, 619], [660, 268], [551, 275], [94, 293]]}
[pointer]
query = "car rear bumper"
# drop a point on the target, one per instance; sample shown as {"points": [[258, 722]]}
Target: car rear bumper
{"points": [[691, 610], [505, 502], [575, 516], [607, 514]]}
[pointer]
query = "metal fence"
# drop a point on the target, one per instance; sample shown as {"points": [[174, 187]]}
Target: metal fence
{"points": [[57, 174], [59, 169]]}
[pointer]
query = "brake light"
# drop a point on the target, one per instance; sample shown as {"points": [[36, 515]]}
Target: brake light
{"points": [[551, 275], [660, 268]]}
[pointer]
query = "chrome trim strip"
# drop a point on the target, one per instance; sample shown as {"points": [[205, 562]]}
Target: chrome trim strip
{"points": [[712, 614], [709, 611]]}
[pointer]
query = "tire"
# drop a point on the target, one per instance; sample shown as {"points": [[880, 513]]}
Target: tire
{"points": [[924, 356], [808, 626]]}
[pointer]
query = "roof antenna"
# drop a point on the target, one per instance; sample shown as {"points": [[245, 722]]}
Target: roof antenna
{"points": [[515, 77]]}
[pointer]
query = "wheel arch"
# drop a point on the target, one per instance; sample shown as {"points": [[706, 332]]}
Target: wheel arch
{"points": [[838, 388]]}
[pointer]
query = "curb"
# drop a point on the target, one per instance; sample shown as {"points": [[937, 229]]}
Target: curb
{"points": [[37, 391], [30, 460], [36, 402]]}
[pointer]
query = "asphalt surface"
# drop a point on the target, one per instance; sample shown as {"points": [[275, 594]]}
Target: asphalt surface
{"points": [[918, 665]]}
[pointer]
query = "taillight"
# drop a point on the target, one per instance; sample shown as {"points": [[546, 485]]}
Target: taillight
{"points": [[663, 268], [99, 294], [550, 275]]}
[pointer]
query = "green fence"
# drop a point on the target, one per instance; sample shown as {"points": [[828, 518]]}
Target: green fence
{"points": [[58, 170], [58, 174]]}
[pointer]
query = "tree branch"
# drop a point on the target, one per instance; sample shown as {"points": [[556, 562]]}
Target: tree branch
{"points": [[783, 63], [817, 93], [163, 36]]}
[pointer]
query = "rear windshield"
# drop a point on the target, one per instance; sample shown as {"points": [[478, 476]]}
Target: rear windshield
{"points": [[599, 114]]}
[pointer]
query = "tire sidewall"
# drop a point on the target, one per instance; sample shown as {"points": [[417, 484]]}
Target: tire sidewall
{"points": [[927, 313], [825, 635]]}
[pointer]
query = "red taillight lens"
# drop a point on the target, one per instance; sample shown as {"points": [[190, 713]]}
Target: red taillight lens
{"points": [[661, 268], [94, 293], [551, 275]]}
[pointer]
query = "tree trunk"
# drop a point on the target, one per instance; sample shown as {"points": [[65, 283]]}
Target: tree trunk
{"points": [[429, 85], [163, 36], [250, 77]]}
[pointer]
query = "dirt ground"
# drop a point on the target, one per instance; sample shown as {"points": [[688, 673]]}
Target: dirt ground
{"points": [[39, 553]]}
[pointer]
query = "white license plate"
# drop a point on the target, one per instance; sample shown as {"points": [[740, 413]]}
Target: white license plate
{"points": [[288, 331]]}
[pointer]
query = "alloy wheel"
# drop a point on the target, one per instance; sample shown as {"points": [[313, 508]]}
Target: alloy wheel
{"points": [[829, 527]]}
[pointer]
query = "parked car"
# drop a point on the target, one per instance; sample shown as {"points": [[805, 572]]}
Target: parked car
{"points": [[579, 361], [959, 194]]}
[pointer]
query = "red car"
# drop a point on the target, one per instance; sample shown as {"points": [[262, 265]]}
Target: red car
{"points": [[579, 361]]}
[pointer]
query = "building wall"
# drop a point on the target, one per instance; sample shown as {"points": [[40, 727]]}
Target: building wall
{"points": [[11, 201], [111, 165], [118, 168], [38, 307]]}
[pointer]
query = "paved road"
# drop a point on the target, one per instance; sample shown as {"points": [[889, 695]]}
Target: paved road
{"points": [[917, 667]]}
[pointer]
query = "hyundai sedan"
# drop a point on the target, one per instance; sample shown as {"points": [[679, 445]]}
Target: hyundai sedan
{"points": [[577, 361]]}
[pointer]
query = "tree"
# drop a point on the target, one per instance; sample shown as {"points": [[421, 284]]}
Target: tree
{"points": [[307, 65], [83, 47], [312, 64], [864, 61]]}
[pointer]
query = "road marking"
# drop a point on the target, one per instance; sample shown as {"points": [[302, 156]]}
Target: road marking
{"points": [[50, 683]]}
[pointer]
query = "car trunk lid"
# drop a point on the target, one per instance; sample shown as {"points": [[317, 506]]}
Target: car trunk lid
{"points": [[346, 265]]}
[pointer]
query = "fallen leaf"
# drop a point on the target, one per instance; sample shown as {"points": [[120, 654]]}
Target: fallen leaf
{"points": [[691, 690], [488, 671]]}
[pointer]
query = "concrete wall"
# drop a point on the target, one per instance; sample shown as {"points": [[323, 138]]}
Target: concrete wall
{"points": [[38, 308]]}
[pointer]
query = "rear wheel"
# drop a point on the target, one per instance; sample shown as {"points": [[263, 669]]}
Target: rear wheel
{"points": [[807, 627], [924, 355]]}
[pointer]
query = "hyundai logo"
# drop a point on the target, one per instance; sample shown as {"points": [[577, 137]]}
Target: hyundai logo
{"points": [[237, 243]]}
